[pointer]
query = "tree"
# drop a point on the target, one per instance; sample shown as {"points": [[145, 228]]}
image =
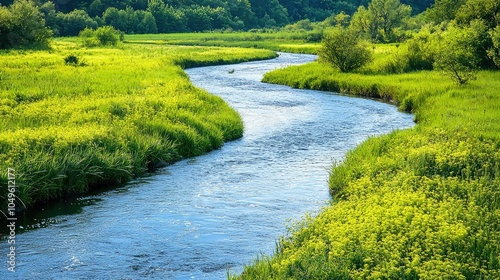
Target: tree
{"points": [[494, 51], [72, 23], [487, 10], [443, 10], [343, 49], [457, 54], [22, 24], [381, 18]]}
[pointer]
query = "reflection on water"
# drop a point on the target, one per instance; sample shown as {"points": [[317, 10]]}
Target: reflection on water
{"points": [[202, 216]]}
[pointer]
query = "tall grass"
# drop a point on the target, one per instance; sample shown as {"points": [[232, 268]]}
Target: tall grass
{"points": [[67, 128], [423, 203], [298, 42]]}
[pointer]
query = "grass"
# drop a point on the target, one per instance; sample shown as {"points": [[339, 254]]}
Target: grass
{"points": [[68, 128], [299, 42], [422, 203]]}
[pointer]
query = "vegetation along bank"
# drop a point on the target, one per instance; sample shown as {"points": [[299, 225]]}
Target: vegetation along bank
{"points": [[422, 203], [75, 118], [415, 204]]}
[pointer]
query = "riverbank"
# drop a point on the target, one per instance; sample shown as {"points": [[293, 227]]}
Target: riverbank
{"points": [[111, 116], [416, 204]]}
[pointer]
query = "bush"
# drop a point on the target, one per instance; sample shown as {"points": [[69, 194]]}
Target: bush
{"points": [[459, 54], [102, 36], [343, 49], [22, 24], [494, 52]]}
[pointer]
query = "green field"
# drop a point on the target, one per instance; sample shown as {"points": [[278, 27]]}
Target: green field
{"points": [[422, 203], [297, 42], [67, 128]]}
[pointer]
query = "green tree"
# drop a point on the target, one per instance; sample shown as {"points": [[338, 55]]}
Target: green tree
{"points": [[72, 23], [494, 51], [102, 36], [343, 49], [147, 22], [487, 10], [167, 18], [443, 10], [22, 24], [381, 18], [457, 53], [116, 18]]}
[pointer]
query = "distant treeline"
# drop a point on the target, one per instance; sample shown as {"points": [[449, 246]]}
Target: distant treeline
{"points": [[68, 18]]}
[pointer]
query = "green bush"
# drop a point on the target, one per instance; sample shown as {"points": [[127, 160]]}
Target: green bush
{"points": [[102, 36], [22, 24], [343, 49]]}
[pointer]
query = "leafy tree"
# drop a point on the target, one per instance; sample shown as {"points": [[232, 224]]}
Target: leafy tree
{"points": [[72, 23], [342, 19], [147, 22], [457, 54], [167, 18], [269, 12], [381, 18], [343, 49], [494, 51], [22, 24], [199, 18], [116, 18], [102, 36], [96, 8], [50, 15], [487, 10], [443, 10]]}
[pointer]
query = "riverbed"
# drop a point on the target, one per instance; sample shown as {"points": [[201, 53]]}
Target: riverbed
{"points": [[202, 217]]}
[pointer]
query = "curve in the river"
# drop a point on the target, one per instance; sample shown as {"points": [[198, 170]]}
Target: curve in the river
{"points": [[199, 217]]}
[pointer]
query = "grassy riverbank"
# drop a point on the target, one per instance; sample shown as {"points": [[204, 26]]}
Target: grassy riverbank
{"points": [[422, 203], [299, 42], [66, 128]]}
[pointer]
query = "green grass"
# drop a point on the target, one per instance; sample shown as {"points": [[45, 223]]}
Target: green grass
{"points": [[66, 129], [423, 203], [299, 42]]}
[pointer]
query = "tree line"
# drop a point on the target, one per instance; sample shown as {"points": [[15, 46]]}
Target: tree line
{"points": [[68, 18], [456, 37]]}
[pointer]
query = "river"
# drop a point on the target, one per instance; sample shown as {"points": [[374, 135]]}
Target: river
{"points": [[201, 217]]}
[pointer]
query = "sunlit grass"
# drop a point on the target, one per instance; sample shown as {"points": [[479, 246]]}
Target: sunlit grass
{"points": [[423, 203], [277, 41], [66, 128]]}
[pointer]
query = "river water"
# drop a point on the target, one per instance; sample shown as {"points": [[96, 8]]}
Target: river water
{"points": [[202, 217]]}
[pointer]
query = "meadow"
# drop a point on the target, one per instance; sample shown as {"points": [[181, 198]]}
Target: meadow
{"points": [[422, 203], [108, 115], [297, 42]]}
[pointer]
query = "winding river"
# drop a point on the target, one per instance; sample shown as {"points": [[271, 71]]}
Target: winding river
{"points": [[201, 217]]}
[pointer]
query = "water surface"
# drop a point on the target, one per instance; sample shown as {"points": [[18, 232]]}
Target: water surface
{"points": [[200, 217]]}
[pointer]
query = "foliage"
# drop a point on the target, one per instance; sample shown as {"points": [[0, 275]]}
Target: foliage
{"points": [[22, 24], [72, 23], [69, 129], [417, 204], [443, 10], [381, 19], [102, 36], [181, 16], [461, 50], [494, 52], [343, 49]]}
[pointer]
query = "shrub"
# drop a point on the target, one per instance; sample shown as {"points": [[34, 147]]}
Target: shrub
{"points": [[458, 55], [22, 24], [102, 36], [494, 52], [343, 49]]}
